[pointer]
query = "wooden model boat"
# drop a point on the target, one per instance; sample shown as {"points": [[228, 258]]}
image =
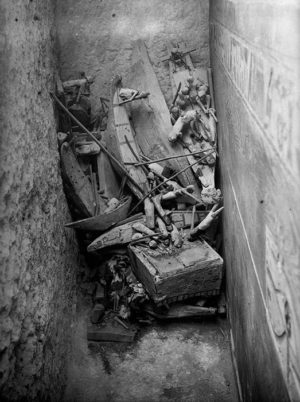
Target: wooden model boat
{"points": [[151, 118], [107, 187], [123, 233], [121, 140], [103, 221], [180, 74], [79, 188]]}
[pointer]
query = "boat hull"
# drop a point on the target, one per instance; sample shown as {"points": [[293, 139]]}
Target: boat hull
{"points": [[78, 187], [102, 222], [151, 118], [123, 233]]}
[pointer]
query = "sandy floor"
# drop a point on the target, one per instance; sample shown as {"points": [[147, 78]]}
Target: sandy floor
{"points": [[186, 361]]}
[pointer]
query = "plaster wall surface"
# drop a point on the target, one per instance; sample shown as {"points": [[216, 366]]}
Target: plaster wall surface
{"points": [[38, 256], [254, 49], [97, 37]]}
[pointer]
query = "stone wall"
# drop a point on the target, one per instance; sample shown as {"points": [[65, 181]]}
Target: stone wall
{"points": [[38, 256], [96, 36], [255, 59]]}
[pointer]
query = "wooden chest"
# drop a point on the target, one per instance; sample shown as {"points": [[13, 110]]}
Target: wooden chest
{"points": [[193, 270]]}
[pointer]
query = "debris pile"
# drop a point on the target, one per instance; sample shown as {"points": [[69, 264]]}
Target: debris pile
{"points": [[121, 199]]}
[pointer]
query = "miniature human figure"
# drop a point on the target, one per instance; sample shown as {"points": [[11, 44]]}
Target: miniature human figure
{"points": [[202, 91], [128, 94], [175, 114], [195, 126], [181, 101], [178, 58], [193, 90], [176, 55]]}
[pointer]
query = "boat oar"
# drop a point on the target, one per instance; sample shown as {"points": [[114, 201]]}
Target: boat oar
{"points": [[170, 178], [169, 157], [103, 147]]}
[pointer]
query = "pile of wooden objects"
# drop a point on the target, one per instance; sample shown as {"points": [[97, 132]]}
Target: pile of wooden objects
{"points": [[140, 180]]}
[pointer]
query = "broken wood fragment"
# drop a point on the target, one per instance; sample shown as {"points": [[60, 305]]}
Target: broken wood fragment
{"points": [[77, 83], [121, 322], [110, 332], [140, 227], [182, 311], [207, 221]]}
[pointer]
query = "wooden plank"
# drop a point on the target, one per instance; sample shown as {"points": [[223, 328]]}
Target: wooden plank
{"points": [[193, 269], [123, 234], [103, 221], [151, 118], [182, 311], [79, 187], [110, 332]]}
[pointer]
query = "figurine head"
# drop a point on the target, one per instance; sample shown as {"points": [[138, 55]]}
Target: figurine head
{"points": [[175, 109], [185, 91]]}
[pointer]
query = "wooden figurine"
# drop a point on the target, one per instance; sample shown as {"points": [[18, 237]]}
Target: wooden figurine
{"points": [[128, 95], [205, 224]]}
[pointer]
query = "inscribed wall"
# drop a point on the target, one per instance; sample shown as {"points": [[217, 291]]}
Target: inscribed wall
{"points": [[255, 60]]}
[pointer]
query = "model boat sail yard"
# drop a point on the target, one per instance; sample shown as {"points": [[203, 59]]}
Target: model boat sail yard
{"points": [[139, 177]]}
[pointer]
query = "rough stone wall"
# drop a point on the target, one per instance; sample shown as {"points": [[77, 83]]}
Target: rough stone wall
{"points": [[96, 36], [255, 58], [38, 256]]}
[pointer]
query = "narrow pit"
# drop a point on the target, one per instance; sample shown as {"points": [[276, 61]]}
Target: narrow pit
{"points": [[246, 346]]}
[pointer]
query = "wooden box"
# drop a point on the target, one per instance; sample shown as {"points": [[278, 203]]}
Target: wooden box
{"points": [[193, 270]]}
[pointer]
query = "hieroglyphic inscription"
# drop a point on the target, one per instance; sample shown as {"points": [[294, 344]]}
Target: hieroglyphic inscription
{"points": [[282, 308], [269, 90]]}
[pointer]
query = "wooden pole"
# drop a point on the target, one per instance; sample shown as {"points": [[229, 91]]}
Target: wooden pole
{"points": [[176, 95], [169, 157], [170, 178], [211, 90]]}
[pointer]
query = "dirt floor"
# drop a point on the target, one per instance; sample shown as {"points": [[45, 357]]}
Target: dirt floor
{"points": [[179, 361]]}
